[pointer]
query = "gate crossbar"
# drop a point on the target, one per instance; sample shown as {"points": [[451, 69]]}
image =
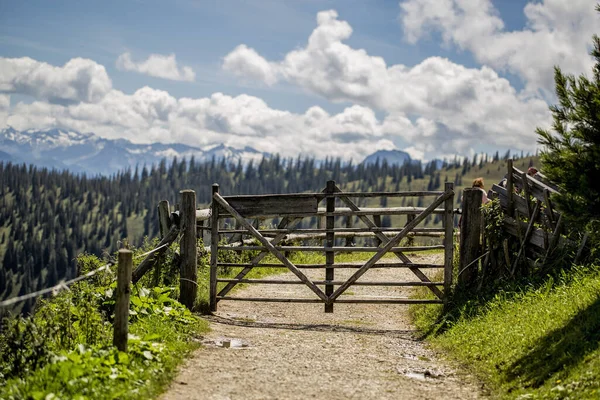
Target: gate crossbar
{"points": [[217, 197], [256, 260], [385, 239], [391, 243]]}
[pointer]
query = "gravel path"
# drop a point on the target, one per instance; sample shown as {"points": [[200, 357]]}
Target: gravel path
{"points": [[296, 351]]}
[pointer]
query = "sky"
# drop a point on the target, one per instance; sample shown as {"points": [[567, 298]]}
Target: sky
{"points": [[339, 78]]}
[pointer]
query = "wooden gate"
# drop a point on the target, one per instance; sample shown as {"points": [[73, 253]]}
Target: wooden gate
{"points": [[288, 209]]}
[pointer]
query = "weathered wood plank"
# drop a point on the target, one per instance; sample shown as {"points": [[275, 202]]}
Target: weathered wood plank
{"points": [[536, 187], [223, 203], [343, 211], [338, 231], [390, 245], [203, 214], [280, 205], [536, 238], [345, 300], [328, 282], [164, 224], [256, 260], [338, 265], [385, 239], [188, 283], [121, 322], [470, 236], [214, 253], [518, 202], [329, 243], [448, 222], [388, 194], [341, 249]]}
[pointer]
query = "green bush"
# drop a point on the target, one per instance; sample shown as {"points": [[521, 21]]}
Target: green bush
{"points": [[65, 349]]}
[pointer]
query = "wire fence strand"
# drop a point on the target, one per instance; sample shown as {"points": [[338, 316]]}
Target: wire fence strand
{"points": [[62, 285]]}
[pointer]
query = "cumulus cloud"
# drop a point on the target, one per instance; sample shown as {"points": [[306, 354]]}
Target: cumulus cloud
{"points": [[452, 106], [79, 80], [151, 115], [157, 65], [557, 32], [4, 107], [247, 63]]}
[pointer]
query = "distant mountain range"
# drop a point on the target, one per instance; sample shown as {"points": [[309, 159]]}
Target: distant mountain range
{"points": [[89, 153]]}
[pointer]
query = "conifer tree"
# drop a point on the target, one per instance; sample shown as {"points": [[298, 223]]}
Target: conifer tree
{"points": [[571, 149]]}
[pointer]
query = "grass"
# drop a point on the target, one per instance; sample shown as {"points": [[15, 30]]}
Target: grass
{"points": [[65, 349], [540, 343]]}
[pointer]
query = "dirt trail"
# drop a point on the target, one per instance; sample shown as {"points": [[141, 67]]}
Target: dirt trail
{"points": [[296, 351]]}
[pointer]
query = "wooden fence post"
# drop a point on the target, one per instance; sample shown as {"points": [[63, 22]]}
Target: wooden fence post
{"points": [[188, 282], [470, 235], [214, 252], [164, 224], [121, 327], [448, 240], [329, 242]]}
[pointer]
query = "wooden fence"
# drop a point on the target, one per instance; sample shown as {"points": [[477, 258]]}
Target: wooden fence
{"points": [[529, 218], [288, 209]]}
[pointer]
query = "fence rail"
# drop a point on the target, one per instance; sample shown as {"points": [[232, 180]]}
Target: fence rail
{"points": [[333, 224]]}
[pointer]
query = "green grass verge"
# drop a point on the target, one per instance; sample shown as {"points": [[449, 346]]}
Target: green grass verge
{"points": [[540, 343], [64, 351]]}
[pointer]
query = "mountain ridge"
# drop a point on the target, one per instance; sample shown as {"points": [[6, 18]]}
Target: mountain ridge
{"points": [[92, 154]]}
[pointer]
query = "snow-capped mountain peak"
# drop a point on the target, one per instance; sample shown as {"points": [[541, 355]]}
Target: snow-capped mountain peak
{"points": [[87, 152]]}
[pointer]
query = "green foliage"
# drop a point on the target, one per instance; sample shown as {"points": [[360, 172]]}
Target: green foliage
{"points": [[494, 223], [64, 350], [571, 151], [540, 343], [51, 216]]}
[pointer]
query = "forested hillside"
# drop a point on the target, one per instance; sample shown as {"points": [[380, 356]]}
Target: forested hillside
{"points": [[48, 217]]}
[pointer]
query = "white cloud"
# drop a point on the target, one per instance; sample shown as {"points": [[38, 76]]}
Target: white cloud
{"points": [[246, 63], [414, 153], [4, 108], [157, 65], [150, 115], [455, 107], [558, 32], [78, 80]]}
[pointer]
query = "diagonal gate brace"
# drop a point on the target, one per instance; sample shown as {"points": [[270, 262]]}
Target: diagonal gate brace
{"points": [[278, 238], [390, 244], [270, 246], [384, 239]]}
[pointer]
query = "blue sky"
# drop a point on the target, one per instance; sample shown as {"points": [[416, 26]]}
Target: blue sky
{"points": [[446, 50]]}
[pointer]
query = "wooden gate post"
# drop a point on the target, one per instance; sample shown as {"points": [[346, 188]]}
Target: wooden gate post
{"points": [[470, 235], [164, 224], [329, 242], [121, 327], [188, 283], [448, 241], [214, 248]]}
